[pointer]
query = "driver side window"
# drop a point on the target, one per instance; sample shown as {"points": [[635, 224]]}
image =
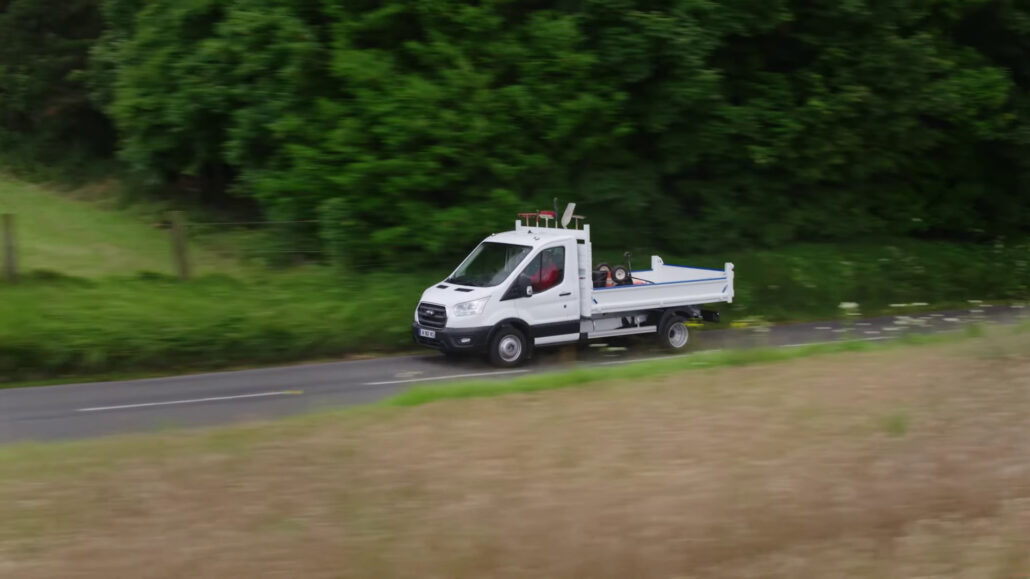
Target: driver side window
{"points": [[547, 269]]}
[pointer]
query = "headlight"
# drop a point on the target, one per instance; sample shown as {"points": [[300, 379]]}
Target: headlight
{"points": [[472, 308]]}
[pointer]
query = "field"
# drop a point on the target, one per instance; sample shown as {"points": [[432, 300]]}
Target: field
{"points": [[81, 234], [97, 298], [902, 462]]}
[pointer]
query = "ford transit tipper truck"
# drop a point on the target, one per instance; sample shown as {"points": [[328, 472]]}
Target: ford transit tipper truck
{"points": [[534, 286]]}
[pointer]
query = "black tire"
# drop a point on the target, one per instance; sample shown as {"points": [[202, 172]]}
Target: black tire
{"points": [[620, 275], [508, 347], [673, 333], [603, 266]]}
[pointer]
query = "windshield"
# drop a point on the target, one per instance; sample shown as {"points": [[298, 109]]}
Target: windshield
{"points": [[490, 264]]}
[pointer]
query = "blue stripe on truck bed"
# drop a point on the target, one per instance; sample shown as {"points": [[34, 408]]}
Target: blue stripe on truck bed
{"points": [[659, 283]]}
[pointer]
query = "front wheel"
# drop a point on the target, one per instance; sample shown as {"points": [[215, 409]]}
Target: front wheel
{"points": [[508, 347], [673, 334]]}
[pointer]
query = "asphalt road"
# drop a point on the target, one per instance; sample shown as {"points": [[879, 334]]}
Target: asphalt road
{"points": [[105, 408]]}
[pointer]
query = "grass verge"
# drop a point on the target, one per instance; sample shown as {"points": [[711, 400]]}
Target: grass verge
{"points": [[674, 364], [77, 328], [889, 462], [51, 329]]}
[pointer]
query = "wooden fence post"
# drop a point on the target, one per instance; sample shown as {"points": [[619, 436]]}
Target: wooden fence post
{"points": [[10, 252], [180, 248]]}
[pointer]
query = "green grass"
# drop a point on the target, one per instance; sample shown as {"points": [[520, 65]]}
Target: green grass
{"points": [[78, 327], [97, 298], [56, 327], [84, 238], [896, 424], [651, 369]]}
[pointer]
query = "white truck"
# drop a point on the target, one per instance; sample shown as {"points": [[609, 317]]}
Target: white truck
{"points": [[534, 286]]}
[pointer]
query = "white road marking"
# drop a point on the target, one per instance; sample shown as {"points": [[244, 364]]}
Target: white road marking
{"points": [[450, 377], [191, 401]]}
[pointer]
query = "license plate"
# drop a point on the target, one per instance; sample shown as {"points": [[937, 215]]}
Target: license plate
{"points": [[431, 334]]}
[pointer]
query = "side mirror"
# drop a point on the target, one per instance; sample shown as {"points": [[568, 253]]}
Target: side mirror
{"points": [[524, 282], [522, 287]]}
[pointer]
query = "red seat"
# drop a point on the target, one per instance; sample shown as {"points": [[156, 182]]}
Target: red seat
{"points": [[549, 278]]}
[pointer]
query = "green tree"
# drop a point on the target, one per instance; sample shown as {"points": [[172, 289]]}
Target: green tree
{"points": [[45, 108], [415, 126]]}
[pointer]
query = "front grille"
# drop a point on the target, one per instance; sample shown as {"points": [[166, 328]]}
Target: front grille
{"points": [[432, 315]]}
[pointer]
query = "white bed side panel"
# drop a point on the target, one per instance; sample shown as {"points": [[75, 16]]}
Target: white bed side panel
{"points": [[666, 286]]}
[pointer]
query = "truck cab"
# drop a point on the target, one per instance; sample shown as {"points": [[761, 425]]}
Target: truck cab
{"points": [[534, 286]]}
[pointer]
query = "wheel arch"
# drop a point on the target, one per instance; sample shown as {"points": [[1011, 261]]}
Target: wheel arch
{"points": [[688, 312], [516, 323]]}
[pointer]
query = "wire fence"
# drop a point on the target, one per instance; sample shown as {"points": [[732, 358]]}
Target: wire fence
{"points": [[36, 246], [260, 243]]}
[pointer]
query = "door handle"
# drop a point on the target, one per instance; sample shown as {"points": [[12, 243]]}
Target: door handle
{"points": [[565, 294]]}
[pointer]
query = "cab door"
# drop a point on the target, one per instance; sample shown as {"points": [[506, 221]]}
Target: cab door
{"points": [[553, 310]]}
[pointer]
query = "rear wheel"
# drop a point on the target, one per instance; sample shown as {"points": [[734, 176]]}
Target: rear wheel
{"points": [[673, 334], [508, 347]]}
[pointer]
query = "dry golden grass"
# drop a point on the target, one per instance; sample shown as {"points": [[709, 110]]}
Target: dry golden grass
{"points": [[906, 463]]}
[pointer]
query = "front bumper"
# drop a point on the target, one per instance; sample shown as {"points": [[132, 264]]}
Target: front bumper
{"points": [[452, 339]]}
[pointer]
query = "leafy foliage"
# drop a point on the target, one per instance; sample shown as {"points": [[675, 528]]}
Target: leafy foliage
{"points": [[45, 110], [704, 125]]}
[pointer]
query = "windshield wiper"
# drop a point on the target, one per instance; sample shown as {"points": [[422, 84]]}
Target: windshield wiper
{"points": [[461, 280]]}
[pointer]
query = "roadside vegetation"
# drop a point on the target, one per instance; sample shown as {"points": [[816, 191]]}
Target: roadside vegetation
{"points": [[96, 295], [405, 128], [845, 153], [56, 326], [890, 462]]}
